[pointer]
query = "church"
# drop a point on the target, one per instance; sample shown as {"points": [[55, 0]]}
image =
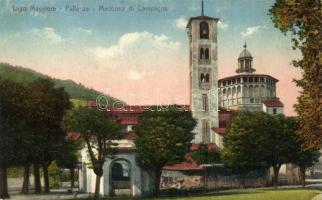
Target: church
{"points": [[212, 101]]}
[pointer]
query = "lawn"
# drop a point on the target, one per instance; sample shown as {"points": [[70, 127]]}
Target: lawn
{"points": [[248, 194]]}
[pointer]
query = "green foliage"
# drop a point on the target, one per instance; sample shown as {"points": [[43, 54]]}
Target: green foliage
{"points": [[45, 107], [258, 140], [97, 129], [302, 18], [26, 76], [68, 154], [205, 156], [15, 172], [11, 104], [54, 175], [163, 137]]}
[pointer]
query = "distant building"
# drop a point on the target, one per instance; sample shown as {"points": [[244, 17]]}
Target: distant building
{"points": [[246, 90]]}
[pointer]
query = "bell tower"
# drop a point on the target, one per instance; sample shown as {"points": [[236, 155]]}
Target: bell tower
{"points": [[202, 33]]}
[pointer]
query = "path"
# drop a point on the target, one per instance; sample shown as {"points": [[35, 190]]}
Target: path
{"points": [[318, 197]]}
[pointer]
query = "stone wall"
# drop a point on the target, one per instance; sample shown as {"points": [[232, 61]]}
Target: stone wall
{"points": [[219, 177], [213, 178], [181, 180]]}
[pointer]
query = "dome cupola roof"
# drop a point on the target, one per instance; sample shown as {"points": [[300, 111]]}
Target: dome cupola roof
{"points": [[245, 53]]}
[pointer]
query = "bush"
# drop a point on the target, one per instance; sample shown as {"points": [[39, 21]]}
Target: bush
{"points": [[205, 156], [54, 174], [15, 172]]}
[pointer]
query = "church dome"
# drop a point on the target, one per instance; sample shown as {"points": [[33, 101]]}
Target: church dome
{"points": [[245, 53], [245, 61]]}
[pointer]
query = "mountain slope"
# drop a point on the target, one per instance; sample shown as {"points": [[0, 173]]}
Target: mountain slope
{"points": [[25, 76]]}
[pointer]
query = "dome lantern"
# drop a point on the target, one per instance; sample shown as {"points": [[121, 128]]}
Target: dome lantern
{"points": [[245, 61]]}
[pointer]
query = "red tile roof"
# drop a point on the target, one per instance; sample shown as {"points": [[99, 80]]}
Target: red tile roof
{"points": [[134, 120], [72, 136], [273, 103], [220, 131], [187, 165]]}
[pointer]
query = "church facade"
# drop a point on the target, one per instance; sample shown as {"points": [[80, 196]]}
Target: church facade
{"points": [[211, 103]]}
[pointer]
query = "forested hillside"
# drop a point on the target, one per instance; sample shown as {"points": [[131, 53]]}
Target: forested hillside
{"points": [[25, 76]]}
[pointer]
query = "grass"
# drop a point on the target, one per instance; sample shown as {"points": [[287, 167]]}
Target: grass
{"points": [[247, 194]]}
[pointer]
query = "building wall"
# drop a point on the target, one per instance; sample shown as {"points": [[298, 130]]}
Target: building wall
{"points": [[213, 177], [140, 180], [87, 177], [198, 90], [238, 93], [270, 110], [219, 140]]}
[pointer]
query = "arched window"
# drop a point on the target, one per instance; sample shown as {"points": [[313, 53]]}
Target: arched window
{"points": [[120, 175], [256, 91], [245, 91], [247, 63], [205, 103], [251, 91], [262, 91], [233, 93], [207, 53], [117, 171], [207, 78], [202, 78], [204, 30], [205, 131], [201, 53], [241, 64]]}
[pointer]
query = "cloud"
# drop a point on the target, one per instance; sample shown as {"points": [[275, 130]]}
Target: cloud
{"points": [[138, 64], [181, 23], [130, 44], [134, 75], [83, 30], [223, 25], [49, 34], [250, 31]]}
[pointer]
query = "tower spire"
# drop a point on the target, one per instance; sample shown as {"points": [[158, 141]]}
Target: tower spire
{"points": [[202, 13]]}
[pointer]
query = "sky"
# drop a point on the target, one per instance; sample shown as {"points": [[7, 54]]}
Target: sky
{"points": [[137, 50]]}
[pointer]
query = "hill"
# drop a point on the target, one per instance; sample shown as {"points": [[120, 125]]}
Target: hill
{"points": [[25, 76]]}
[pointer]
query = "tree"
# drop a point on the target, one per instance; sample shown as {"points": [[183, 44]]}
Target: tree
{"points": [[97, 129], [258, 140], [163, 137], [303, 19], [45, 106], [11, 97], [68, 158], [246, 132], [305, 159], [302, 158]]}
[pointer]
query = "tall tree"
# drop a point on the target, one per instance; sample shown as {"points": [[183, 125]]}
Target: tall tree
{"points": [[163, 137], [11, 98], [97, 129], [258, 140], [303, 18], [45, 108], [302, 158]]}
